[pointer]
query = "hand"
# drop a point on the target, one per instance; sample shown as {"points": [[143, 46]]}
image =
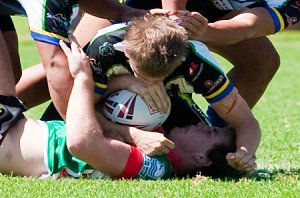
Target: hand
{"points": [[154, 94], [158, 11], [78, 61], [195, 24], [241, 160], [152, 143], [131, 13]]}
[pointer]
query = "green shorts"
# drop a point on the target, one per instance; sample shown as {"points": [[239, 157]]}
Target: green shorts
{"points": [[59, 161]]}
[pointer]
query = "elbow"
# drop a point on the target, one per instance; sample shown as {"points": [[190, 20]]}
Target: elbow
{"points": [[76, 146]]}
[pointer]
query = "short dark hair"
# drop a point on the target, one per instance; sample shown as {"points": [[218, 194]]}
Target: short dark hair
{"points": [[219, 167]]}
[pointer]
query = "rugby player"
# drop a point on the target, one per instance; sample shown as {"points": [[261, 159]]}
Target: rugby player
{"points": [[58, 149], [156, 51], [49, 22]]}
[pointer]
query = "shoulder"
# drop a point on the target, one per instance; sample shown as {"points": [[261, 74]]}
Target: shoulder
{"points": [[199, 50], [113, 31]]}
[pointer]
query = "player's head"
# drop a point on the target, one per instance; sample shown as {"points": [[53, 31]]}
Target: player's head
{"points": [[200, 148], [155, 46]]}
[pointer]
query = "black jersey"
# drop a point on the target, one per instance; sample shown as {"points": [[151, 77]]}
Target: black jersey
{"points": [[199, 73], [49, 20], [283, 12]]}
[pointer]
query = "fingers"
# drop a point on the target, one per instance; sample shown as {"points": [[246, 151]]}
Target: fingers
{"points": [[76, 49], [157, 98], [163, 100], [241, 160], [65, 48], [159, 148], [158, 11], [195, 24], [148, 99]]}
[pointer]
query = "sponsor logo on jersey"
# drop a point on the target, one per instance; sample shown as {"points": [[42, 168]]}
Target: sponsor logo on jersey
{"points": [[208, 83], [216, 83], [152, 168], [106, 49], [195, 71]]}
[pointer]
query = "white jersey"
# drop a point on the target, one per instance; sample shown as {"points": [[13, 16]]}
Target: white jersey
{"points": [[49, 20]]}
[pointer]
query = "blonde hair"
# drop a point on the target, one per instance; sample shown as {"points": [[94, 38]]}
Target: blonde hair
{"points": [[155, 45]]}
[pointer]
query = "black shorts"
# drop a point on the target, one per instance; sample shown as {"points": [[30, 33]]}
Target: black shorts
{"points": [[6, 23], [11, 109], [212, 13], [11, 7]]}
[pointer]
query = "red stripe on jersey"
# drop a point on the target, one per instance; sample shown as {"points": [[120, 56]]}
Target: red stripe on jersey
{"points": [[134, 164]]}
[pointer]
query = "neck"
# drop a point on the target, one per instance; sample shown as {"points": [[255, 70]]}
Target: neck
{"points": [[175, 161]]}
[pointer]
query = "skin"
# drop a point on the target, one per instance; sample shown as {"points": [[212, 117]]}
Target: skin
{"points": [[246, 130], [232, 36], [203, 138], [22, 151], [54, 61], [239, 117], [7, 72]]}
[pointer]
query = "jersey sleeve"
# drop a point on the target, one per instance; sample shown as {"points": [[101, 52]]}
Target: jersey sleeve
{"points": [[106, 58], [284, 13], [50, 20], [200, 73], [155, 167]]}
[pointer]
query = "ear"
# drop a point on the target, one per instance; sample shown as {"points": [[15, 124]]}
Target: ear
{"points": [[125, 52], [202, 160]]}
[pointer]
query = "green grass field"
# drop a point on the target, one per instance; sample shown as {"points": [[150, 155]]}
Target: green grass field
{"points": [[278, 156]]}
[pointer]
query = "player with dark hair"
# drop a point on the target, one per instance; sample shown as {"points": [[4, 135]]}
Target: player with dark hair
{"points": [[79, 147], [153, 54]]}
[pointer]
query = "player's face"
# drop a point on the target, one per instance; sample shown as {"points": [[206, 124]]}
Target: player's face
{"points": [[147, 79], [192, 144], [144, 78]]}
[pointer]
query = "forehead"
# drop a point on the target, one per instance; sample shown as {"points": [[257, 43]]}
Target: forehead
{"points": [[140, 75], [196, 137]]}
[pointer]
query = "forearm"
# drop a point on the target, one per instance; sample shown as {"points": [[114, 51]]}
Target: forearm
{"points": [[109, 9], [174, 5], [235, 111], [252, 23], [248, 137], [110, 127], [85, 138], [120, 82], [80, 119], [151, 143]]}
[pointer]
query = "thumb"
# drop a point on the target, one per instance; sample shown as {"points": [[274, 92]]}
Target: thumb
{"points": [[230, 156]]}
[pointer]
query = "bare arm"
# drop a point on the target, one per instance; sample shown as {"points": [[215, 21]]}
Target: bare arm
{"points": [[248, 24], [85, 137], [7, 79], [235, 111], [109, 9], [174, 5], [151, 143], [153, 93], [58, 76]]}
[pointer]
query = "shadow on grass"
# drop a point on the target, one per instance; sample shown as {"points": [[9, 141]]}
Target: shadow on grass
{"points": [[264, 174], [259, 175]]}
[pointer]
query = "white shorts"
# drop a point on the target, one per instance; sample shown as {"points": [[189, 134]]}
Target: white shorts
{"points": [[49, 20]]}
